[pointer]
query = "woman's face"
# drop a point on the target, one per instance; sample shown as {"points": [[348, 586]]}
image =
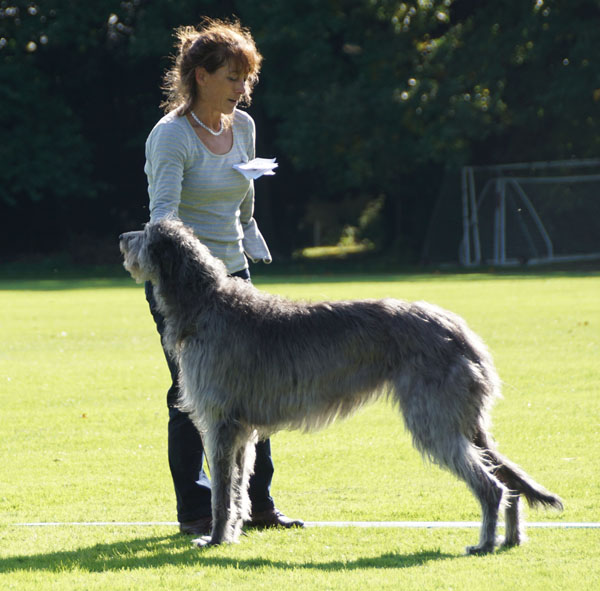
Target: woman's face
{"points": [[222, 89]]}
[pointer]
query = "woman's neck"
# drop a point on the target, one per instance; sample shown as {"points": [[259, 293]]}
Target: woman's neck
{"points": [[208, 116]]}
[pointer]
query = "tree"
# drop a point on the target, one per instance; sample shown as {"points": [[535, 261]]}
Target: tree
{"points": [[509, 81], [365, 103]]}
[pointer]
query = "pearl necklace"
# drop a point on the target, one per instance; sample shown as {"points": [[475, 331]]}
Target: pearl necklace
{"points": [[215, 133]]}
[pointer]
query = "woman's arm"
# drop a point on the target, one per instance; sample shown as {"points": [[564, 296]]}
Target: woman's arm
{"points": [[255, 246], [166, 155]]}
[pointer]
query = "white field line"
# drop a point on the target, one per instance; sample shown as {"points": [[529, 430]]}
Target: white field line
{"points": [[377, 524]]}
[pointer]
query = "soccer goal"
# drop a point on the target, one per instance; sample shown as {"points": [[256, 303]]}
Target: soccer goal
{"points": [[530, 213]]}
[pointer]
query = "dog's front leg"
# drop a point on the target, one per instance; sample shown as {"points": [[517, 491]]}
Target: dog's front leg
{"points": [[244, 468], [222, 442]]}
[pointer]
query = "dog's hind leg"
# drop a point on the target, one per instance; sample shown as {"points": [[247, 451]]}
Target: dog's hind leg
{"points": [[465, 461], [512, 515], [438, 433], [519, 483], [514, 533], [468, 465]]}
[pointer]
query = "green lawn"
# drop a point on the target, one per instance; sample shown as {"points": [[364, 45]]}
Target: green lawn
{"points": [[83, 438]]}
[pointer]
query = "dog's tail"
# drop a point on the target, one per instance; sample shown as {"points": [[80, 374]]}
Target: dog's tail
{"points": [[514, 477]]}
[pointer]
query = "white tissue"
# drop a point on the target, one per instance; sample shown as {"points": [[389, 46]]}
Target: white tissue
{"points": [[257, 167]]}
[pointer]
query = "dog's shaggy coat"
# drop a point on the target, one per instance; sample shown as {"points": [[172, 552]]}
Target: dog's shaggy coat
{"points": [[252, 363]]}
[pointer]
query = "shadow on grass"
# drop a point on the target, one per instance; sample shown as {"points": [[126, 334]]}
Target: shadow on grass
{"points": [[156, 552]]}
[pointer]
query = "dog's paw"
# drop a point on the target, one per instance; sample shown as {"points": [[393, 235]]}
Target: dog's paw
{"points": [[511, 543], [480, 550], [203, 542]]}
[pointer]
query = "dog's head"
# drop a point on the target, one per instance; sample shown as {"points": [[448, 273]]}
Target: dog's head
{"points": [[152, 254], [167, 253]]}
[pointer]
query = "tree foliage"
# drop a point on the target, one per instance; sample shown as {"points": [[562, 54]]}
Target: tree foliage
{"points": [[365, 103]]}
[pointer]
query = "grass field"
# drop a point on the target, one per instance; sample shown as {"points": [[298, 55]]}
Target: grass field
{"points": [[83, 439]]}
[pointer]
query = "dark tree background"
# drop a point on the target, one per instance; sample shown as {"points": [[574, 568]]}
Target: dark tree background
{"points": [[365, 103]]}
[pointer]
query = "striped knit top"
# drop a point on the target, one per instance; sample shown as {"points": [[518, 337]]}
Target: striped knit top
{"points": [[188, 181]]}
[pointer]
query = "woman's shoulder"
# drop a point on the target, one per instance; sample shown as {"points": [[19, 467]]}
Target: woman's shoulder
{"points": [[245, 131], [244, 121], [170, 128]]}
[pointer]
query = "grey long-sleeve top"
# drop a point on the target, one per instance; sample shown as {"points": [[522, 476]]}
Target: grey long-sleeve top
{"points": [[188, 181]]}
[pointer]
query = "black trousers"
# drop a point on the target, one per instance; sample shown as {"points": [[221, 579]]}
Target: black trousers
{"points": [[186, 452]]}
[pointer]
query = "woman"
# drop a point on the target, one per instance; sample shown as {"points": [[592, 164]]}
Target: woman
{"points": [[190, 155]]}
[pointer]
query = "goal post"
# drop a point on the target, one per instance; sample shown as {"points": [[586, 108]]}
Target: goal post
{"points": [[530, 213]]}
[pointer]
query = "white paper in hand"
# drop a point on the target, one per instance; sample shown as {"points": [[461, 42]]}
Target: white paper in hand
{"points": [[257, 167]]}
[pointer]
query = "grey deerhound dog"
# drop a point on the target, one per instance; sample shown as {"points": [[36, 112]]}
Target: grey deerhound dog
{"points": [[253, 363]]}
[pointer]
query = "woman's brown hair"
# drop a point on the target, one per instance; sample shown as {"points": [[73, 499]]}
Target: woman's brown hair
{"points": [[211, 45]]}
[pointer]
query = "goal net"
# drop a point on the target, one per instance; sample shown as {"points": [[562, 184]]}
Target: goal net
{"points": [[530, 213]]}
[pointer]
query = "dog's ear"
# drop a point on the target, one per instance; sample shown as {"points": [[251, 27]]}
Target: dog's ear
{"points": [[183, 267], [163, 251]]}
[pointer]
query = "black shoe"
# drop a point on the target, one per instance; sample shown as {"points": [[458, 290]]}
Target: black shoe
{"points": [[199, 527], [273, 518]]}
